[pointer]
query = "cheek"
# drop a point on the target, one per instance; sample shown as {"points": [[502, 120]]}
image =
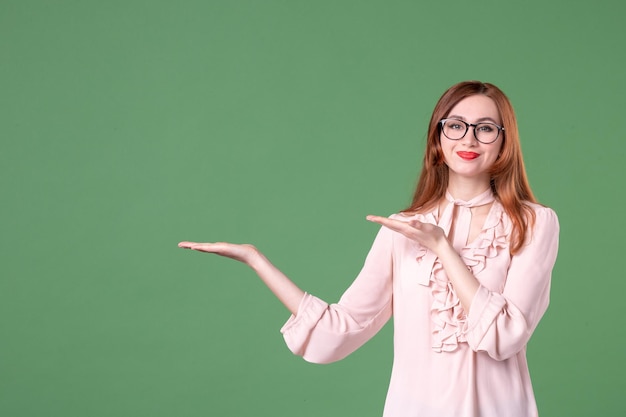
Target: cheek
{"points": [[496, 151], [445, 152], [499, 151], [445, 146], [500, 145], [494, 156], [441, 152]]}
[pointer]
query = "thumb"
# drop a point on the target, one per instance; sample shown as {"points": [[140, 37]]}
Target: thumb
{"points": [[416, 224]]}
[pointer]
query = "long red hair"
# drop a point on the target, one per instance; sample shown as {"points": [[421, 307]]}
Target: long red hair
{"points": [[508, 175]]}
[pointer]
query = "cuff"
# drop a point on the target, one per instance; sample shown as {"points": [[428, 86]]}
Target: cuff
{"points": [[483, 311], [297, 329]]}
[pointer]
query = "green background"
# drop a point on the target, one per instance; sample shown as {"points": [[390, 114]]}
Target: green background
{"points": [[128, 126]]}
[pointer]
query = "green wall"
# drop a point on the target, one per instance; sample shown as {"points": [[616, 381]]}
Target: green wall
{"points": [[127, 126]]}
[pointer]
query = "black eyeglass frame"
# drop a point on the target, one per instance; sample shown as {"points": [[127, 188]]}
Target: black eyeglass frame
{"points": [[467, 126]]}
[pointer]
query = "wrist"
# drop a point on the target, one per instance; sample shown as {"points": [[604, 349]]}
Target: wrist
{"points": [[255, 259], [444, 249]]}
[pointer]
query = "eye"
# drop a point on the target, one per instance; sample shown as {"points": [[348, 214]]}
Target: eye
{"points": [[487, 128], [453, 124]]}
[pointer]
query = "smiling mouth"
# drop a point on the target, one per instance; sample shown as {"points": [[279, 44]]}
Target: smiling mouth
{"points": [[468, 155]]}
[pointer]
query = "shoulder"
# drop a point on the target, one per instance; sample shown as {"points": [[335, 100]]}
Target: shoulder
{"points": [[544, 216], [543, 233], [538, 211], [543, 226], [537, 216]]}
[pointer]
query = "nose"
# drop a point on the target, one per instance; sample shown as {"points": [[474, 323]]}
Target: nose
{"points": [[470, 136]]}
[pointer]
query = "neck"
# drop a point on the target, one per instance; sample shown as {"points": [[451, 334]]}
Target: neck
{"points": [[465, 188]]}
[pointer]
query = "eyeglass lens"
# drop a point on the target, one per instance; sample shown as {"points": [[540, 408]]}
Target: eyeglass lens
{"points": [[484, 132]]}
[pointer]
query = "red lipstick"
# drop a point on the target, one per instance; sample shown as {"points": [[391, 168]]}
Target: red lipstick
{"points": [[468, 156]]}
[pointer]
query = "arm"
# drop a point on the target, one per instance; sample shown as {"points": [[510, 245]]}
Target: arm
{"points": [[320, 332], [284, 289], [501, 324], [323, 333], [433, 237]]}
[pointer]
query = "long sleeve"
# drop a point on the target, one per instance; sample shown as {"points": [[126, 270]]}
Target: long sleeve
{"points": [[501, 324], [324, 333]]}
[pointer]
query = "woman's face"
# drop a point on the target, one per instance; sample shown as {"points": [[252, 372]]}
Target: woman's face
{"points": [[467, 157]]}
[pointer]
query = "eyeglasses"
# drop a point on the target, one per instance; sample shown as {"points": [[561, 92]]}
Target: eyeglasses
{"points": [[455, 129]]}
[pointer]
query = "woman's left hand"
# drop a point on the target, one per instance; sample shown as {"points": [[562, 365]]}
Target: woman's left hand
{"points": [[426, 234]]}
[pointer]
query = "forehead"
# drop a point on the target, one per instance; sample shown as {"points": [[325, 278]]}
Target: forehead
{"points": [[476, 107]]}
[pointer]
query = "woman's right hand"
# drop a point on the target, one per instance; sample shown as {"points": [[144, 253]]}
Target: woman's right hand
{"points": [[243, 253], [286, 291]]}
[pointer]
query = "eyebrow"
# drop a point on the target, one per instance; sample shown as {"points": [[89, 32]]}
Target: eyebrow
{"points": [[482, 119]]}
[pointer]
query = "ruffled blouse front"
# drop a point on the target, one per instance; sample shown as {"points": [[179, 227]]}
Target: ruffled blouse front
{"points": [[447, 362], [449, 319]]}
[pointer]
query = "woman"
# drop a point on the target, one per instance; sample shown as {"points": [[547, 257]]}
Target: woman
{"points": [[465, 272]]}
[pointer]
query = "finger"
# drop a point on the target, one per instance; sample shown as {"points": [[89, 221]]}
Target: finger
{"points": [[186, 245], [380, 220], [209, 247], [392, 224], [203, 247], [385, 221]]}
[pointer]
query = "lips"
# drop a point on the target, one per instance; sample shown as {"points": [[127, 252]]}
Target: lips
{"points": [[468, 156]]}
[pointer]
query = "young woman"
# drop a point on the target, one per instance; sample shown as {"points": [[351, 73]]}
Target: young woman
{"points": [[464, 271]]}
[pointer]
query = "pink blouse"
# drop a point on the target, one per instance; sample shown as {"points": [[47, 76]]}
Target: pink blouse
{"points": [[446, 363]]}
